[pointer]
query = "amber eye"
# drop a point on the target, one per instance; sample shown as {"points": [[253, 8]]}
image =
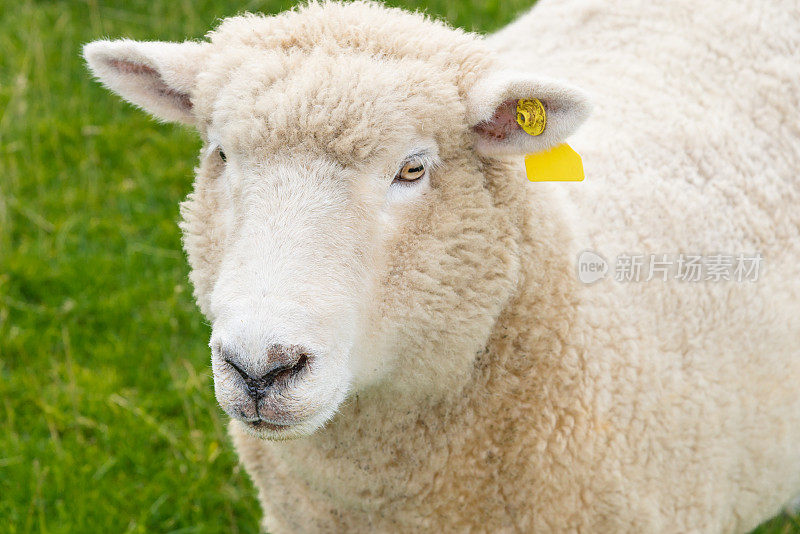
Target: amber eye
{"points": [[412, 171], [222, 155]]}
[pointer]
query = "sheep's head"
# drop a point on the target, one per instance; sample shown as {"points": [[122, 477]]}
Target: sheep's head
{"points": [[346, 230]]}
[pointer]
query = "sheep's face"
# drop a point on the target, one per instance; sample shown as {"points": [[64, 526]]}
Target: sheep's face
{"points": [[348, 219], [344, 233]]}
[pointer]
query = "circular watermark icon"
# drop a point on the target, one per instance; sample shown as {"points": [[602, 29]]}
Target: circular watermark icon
{"points": [[591, 267]]}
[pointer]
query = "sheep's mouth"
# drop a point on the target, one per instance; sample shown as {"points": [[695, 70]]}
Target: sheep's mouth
{"points": [[262, 424], [272, 431]]}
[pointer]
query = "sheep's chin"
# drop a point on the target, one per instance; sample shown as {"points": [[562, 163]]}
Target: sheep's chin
{"points": [[275, 432]]}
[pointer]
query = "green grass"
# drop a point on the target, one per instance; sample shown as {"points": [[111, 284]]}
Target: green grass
{"points": [[107, 417]]}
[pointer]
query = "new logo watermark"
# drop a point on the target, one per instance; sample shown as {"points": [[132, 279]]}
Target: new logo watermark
{"points": [[592, 267]]}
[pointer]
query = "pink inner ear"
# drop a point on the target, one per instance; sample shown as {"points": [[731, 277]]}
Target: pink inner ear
{"points": [[502, 124], [129, 67]]}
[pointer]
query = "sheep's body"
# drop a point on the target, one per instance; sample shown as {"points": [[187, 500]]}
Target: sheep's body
{"points": [[637, 407], [694, 147], [485, 387]]}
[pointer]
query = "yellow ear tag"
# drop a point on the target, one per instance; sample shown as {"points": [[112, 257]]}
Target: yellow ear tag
{"points": [[531, 116], [559, 164]]}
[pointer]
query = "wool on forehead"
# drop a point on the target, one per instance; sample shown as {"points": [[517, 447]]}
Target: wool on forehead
{"points": [[349, 106], [347, 79], [344, 79]]}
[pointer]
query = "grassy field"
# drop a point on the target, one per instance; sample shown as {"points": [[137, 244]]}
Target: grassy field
{"points": [[107, 416]]}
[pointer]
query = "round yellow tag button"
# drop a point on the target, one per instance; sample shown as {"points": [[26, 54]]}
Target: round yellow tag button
{"points": [[531, 115]]}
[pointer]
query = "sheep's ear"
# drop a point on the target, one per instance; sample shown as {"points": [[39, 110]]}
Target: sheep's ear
{"points": [[157, 76], [492, 110]]}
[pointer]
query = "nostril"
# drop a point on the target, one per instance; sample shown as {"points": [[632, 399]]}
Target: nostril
{"points": [[282, 371], [238, 369]]}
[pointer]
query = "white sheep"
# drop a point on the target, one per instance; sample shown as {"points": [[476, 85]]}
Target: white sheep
{"points": [[385, 285]]}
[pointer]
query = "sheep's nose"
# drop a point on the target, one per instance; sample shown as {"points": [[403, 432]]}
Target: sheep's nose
{"points": [[283, 364]]}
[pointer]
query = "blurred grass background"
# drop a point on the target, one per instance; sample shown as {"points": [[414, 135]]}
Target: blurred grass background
{"points": [[107, 415]]}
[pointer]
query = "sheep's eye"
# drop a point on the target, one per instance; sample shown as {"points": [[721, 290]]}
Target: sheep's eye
{"points": [[222, 155], [411, 172]]}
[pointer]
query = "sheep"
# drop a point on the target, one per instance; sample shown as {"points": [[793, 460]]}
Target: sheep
{"points": [[400, 333]]}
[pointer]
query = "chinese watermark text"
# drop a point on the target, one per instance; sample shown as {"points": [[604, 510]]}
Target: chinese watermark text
{"points": [[628, 268]]}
